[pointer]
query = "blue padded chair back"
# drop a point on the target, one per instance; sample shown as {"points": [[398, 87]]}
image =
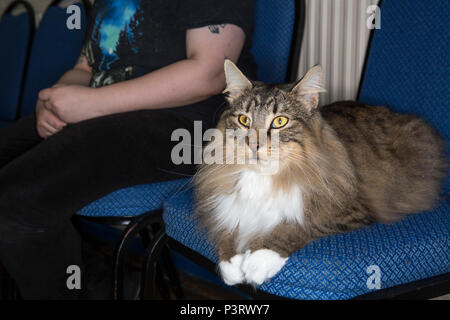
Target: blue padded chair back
{"points": [[15, 36], [408, 64], [55, 50], [272, 37]]}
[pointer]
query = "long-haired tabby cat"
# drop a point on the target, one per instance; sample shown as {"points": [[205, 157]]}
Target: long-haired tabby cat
{"points": [[340, 167]]}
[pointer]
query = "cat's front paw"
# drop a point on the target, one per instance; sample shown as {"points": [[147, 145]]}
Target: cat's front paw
{"points": [[261, 265], [231, 270]]}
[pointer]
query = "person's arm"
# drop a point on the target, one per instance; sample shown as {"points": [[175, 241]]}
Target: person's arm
{"points": [[47, 122], [80, 74], [196, 78]]}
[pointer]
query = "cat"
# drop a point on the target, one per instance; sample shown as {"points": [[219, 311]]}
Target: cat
{"points": [[339, 168]]}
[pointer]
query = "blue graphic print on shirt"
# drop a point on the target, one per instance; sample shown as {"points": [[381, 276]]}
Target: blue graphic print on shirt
{"points": [[116, 29]]}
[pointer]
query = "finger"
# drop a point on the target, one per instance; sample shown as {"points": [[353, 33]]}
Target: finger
{"points": [[51, 108], [54, 121], [47, 134], [43, 132], [45, 94], [48, 105], [49, 128]]}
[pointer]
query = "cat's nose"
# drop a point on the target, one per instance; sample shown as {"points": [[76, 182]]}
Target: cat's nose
{"points": [[254, 147]]}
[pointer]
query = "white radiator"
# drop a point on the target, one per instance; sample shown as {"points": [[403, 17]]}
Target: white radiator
{"points": [[336, 36]]}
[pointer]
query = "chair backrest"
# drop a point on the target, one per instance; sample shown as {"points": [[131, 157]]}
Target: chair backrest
{"points": [[407, 66], [277, 35], [16, 34], [54, 51]]}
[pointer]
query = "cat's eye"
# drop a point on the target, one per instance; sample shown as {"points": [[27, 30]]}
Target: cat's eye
{"points": [[244, 120], [279, 122]]}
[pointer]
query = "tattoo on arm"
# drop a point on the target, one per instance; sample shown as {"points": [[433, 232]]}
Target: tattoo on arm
{"points": [[215, 28], [81, 59]]}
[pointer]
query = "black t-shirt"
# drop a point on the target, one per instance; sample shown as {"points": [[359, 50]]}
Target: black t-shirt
{"points": [[129, 38]]}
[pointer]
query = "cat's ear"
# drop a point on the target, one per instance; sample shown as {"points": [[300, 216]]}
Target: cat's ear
{"points": [[235, 80], [308, 88]]}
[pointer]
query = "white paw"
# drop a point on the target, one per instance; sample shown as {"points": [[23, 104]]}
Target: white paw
{"points": [[261, 265], [231, 271]]}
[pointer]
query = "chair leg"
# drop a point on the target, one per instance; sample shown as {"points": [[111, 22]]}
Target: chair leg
{"points": [[162, 287], [134, 227], [118, 258], [173, 274], [150, 266], [168, 266], [164, 291]]}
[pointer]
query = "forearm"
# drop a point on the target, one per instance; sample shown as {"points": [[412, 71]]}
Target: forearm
{"points": [[196, 78], [181, 83], [75, 76]]}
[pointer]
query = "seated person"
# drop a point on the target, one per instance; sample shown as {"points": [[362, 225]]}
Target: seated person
{"points": [[148, 67]]}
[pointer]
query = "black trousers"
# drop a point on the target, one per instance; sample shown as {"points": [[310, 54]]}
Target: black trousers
{"points": [[44, 182]]}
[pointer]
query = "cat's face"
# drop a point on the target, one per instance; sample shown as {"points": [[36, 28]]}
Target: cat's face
{"points": [[270, 121]]}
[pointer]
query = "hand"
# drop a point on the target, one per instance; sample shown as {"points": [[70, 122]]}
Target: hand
{"points": [[47, 122], [71, 103]]}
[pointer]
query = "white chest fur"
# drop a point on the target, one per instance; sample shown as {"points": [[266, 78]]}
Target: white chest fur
{"points": [[255, 207]]}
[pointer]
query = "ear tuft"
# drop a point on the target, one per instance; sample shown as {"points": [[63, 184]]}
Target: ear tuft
{"points": [[236, 82], [312, 82], [309, 87]]}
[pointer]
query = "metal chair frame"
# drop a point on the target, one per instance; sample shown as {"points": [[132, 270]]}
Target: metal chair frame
{"points": [[136, 226], [421, 289]]}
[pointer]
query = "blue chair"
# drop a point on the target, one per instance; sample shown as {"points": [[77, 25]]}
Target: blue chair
{"points": [[276, 42], [16, 32], [406, 69], [411, 76], [55, 50], [138, 206]]}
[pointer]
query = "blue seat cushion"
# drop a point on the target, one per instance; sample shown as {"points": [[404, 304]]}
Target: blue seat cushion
{"points": [[335, 267], [133, 201]]}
